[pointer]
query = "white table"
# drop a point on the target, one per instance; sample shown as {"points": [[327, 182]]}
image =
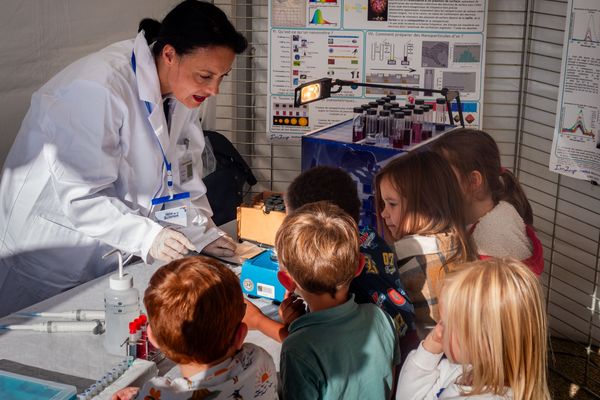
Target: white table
{"points": [[82, 354]]}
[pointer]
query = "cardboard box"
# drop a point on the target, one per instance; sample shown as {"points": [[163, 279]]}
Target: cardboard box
{"points": [[255, 223]]}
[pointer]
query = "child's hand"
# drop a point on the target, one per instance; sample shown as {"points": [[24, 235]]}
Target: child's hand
{"points": [[126, 394], [291, 308], [253, 315], [433, 341]]}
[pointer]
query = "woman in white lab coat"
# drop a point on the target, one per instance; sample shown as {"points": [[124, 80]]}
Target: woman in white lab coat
{"points": [[98, 146]]}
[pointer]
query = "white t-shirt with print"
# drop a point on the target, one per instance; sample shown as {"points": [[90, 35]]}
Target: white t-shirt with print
{"points": [[250, 374]]}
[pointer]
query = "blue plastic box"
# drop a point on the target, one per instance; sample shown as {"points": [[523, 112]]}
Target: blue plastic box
{"points": [[259, 277], [20, 387]]}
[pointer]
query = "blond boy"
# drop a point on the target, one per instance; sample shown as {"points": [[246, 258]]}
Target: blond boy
{"points": [[339, 349]]}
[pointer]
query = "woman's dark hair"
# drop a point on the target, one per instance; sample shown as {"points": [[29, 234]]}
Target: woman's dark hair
{"points": [[190, 25]]}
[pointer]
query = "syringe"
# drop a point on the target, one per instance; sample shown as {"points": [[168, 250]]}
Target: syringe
{"points": [[77, 315], [94, 327]]}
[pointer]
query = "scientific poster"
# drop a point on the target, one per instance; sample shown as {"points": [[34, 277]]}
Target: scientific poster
{"points": [[576, 145], [416, 43]]}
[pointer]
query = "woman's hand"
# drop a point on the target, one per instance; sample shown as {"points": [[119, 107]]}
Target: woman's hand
{"points": [[128, 393], [170, 245], [222, 247]]}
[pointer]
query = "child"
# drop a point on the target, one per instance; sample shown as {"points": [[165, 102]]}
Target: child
{"points": [[420, 208], [340, 350], [493, 331], [195, 309], [495, 203], [379, 282]]}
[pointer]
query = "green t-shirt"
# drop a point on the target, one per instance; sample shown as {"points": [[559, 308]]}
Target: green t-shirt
{"points": [[345, 352]]}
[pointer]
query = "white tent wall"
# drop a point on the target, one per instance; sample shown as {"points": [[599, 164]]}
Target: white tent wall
{"points": [[40, 37]]}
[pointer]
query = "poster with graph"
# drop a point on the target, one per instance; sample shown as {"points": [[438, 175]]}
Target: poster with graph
{"points": [[576, 145], [440, 45]]}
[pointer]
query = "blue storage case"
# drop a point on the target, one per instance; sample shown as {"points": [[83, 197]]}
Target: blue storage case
{"points": [[259, 277]]}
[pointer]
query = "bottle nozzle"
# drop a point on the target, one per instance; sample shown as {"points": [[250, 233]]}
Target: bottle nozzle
{"points": [[120, 256]]}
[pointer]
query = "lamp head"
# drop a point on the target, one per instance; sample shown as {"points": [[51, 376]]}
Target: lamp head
{"points": [[312, 91]]}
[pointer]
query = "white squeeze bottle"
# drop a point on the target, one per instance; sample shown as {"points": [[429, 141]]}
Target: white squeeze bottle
{"points": [[122, 305]]}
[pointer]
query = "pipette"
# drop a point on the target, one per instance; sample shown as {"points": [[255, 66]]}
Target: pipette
{"points": [[77, 315], [94, 327]]}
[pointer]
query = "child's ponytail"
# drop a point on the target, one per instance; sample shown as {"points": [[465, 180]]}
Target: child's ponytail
{"points": [[470, 150], [513, 193]]}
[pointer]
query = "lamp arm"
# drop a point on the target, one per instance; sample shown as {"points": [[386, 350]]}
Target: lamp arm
{"points": [[339, 82]]}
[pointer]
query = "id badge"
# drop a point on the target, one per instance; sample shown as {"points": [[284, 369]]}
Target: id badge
{"points": [[172, 210], [186, 168]]}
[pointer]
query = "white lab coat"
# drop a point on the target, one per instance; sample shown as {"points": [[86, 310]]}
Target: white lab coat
{"points": [[83, 171]]}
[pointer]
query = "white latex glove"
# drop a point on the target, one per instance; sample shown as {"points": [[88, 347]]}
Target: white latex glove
{"points": [[170, 245], [222, 247]]}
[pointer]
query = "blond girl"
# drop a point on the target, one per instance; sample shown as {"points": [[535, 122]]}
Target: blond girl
{"points": [[497, 209], [493, 333], [420, 209]]}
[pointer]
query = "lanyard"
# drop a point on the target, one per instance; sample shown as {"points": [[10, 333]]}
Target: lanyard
{"points": [[166, 162]]}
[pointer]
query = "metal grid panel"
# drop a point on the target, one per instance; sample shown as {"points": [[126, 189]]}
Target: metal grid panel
{"points": [[566, 210]]}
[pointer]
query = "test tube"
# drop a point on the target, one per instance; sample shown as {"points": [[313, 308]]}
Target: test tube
{"points": [[373, 104], [397, 130], [358, 125], [407, 134], [371, 123], [392, 97], [387, 106], [384, 127], [132, 340], [440, 114], [380, 103], [417, 125], [419, 102], [427, 122]]}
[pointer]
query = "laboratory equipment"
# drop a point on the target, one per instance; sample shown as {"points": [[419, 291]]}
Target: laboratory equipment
{"points": [[371, 126], [384, 123], [397, 130], [358, 125], [417, 125], [122, 305], [259, 276], [440, 114], [94, 327], [77, 315], [407, 134], [15, 386]]}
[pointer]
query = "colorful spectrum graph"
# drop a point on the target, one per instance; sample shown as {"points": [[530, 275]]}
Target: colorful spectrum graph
{"points": [[323, 1], [578, 125], [318, 19]]}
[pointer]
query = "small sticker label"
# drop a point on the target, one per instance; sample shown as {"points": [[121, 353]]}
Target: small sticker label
{"points": [[176, 216], [248, 285], [265, 290]]}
